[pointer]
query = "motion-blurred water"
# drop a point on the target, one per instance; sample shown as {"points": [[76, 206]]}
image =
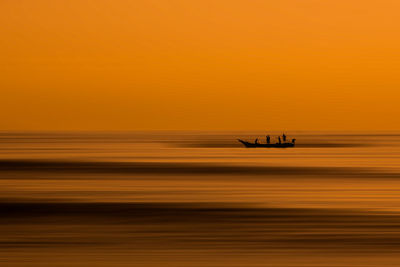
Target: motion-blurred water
{"points": [[199, 199]]}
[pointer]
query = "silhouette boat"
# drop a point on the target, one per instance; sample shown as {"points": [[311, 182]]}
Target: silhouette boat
{"points": [[282, 145]]}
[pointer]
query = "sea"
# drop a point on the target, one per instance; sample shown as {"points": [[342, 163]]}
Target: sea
{"points": [[199, 199]]}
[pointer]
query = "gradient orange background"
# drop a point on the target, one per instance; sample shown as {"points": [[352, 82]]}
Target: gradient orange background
{"points": [[210, 64]]}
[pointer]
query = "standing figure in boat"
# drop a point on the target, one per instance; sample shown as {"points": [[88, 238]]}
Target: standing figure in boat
{"points": [[268, 139], [284, 138]]}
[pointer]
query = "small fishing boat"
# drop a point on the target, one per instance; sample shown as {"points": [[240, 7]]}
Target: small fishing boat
{"points": [[280, 145]]}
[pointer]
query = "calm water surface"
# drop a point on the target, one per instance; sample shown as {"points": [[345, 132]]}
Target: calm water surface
{"points": [[199, 199]]}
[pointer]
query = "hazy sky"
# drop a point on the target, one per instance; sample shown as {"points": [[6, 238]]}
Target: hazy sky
{"points": [[209, 64]]}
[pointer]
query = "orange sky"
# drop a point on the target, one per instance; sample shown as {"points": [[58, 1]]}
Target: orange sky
{"points": [[210, 64]]}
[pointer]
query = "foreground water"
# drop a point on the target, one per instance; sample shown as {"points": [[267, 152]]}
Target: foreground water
{"points": [[199, 199]]}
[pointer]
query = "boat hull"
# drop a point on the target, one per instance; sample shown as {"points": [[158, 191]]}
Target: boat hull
{"points": [[277, 145]]}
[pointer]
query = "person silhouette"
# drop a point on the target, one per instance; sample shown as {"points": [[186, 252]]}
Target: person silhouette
{"points": [[256, 141], [268, 139], [284, 137], [279, 140]]}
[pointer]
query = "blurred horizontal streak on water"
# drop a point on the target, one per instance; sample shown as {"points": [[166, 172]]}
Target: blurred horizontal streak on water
{"points": [[184, 168], [198, 199], [209, 225]]}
